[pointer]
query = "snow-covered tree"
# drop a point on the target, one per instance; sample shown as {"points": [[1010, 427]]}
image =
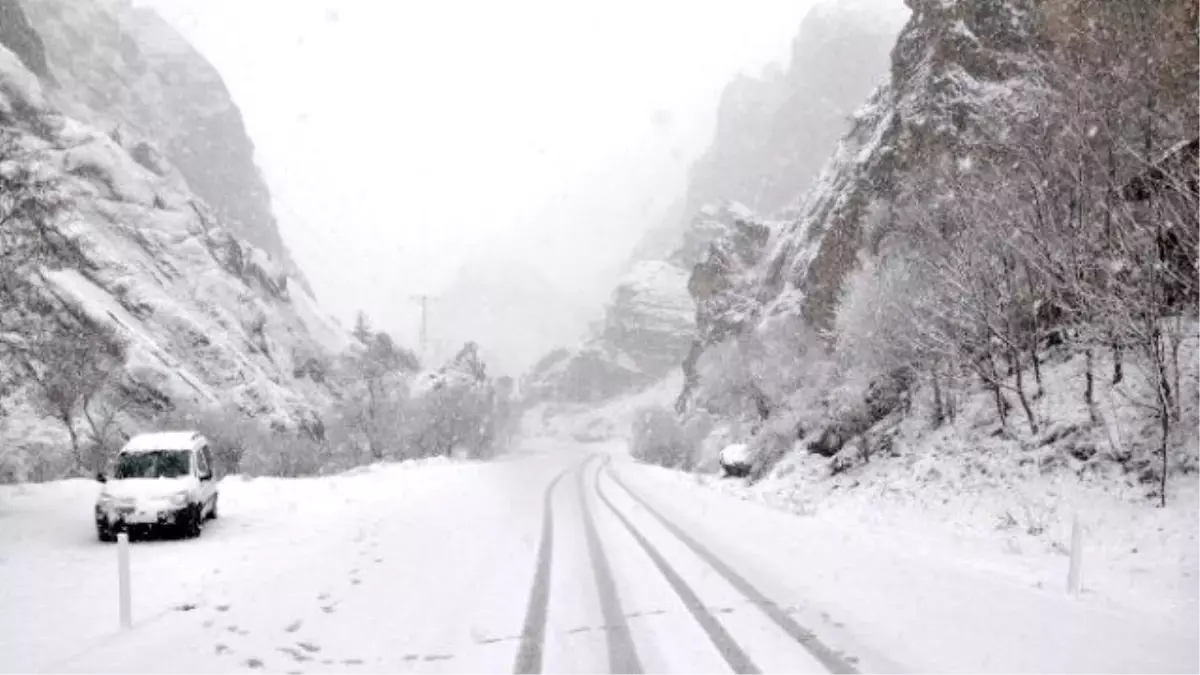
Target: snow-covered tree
{"points": [[375, 374], [455, 409]]}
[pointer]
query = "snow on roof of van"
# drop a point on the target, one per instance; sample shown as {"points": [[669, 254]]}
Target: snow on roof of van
{"points": [[166, 440]]}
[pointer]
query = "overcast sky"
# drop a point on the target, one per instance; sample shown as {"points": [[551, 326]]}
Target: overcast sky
{"points": [[402, 140]]}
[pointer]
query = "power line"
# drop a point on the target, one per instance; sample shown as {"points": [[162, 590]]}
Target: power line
{"points": [[365, 284], [424, 302]]}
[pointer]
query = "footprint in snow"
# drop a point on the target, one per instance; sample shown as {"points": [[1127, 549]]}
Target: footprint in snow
{"points": [[309, 647], [323, 596], [355, 582], [352, 662], [294, 626], [222, 608], [221, 649], [254, 663], [329, 609], [294, 653], [438, 657]]}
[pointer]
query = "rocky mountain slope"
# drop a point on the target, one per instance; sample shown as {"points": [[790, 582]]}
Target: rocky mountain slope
{"points": [[125, 71], [955, 73], [645, 330], [110, 145], [773, 134], [979, 94]]}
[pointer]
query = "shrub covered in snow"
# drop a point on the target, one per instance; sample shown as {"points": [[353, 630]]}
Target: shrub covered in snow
{"points": [[658, 438]]}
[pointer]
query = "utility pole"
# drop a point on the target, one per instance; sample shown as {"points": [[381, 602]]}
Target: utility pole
{"points": [[424, 302]]}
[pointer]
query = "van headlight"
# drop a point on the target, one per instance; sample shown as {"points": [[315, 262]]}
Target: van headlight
{"points": [[178, 499]]}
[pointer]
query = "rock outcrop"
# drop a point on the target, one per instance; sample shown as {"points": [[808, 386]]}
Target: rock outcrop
{"points": [[113, 240], [957, 72], [127, 72], [967, 78], [645, 333], [19, 36], [773, 134]]}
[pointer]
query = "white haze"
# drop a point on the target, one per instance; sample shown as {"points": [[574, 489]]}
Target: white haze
{"points": [[405, 141]]}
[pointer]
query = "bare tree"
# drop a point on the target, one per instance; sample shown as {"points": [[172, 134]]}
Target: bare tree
{"points": [[104, 435], [68, 369]]}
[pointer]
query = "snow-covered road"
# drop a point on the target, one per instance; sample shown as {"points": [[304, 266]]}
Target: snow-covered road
{"points": [[559, 558]]}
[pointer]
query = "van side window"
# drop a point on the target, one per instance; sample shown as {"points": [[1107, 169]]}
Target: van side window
{"points": [[202, 461]]}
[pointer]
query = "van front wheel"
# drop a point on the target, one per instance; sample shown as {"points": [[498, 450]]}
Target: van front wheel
{"points": [[190, 524]]}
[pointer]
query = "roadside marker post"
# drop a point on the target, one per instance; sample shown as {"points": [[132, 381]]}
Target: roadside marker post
{"points": [[123, 579], [1074, 575]]}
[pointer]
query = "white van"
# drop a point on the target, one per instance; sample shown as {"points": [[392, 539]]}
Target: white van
{"points": [[158, 480]]}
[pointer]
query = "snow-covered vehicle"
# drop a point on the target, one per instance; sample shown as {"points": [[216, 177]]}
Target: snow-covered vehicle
{"points": [[158, 480], [736, 460]]}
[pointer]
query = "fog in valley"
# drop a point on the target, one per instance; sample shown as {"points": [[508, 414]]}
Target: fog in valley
{"points": [[503, 158]]}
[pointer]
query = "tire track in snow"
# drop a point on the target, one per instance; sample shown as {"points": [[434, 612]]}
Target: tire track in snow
{"points": [[733, 654], [533, 634], [622, 654], [828, 657]]}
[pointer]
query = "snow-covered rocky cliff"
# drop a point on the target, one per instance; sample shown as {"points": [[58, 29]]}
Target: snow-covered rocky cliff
{"points": [[773, 134], [134, 215]]}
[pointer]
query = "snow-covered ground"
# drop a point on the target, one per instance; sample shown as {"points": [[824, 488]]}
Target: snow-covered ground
{"points": [[282, 551], [1134, 555], [551, 557], [904, 604], [585, 422]]}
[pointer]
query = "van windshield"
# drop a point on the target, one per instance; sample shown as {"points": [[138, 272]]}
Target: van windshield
{"points": [[153, 464]]}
